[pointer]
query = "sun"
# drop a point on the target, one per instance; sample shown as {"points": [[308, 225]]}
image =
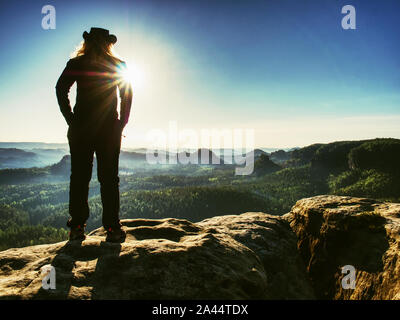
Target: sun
{"points": [[135, 75], [127, 75]]}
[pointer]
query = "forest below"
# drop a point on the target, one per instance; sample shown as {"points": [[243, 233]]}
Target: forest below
{"points": [[34, 210]]}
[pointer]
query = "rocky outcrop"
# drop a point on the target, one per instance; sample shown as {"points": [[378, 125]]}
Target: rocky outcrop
{"points": [[337, 231], [249, 256]]}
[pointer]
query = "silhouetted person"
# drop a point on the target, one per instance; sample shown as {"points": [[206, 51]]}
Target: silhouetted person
{"points": [[94, 127]]}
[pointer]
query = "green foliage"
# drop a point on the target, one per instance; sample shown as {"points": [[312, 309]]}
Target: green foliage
{"points": [[303, 156], [283, 188], [10, 216], [343, 180], [23, 175], [333, 157], [15, 230], [382, 154], [379, 154], [26, 235], [366, 183], [193, 203]]}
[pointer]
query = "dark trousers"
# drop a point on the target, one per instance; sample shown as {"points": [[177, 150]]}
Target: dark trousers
{"points": [[83, 143]]}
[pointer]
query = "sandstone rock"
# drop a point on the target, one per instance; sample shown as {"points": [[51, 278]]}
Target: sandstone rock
{"points": [[249, 256], [336, 231], [275, 245]]}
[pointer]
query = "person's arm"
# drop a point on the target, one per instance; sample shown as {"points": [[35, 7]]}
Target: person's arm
{"points": [[63, 86], [125, 93]]}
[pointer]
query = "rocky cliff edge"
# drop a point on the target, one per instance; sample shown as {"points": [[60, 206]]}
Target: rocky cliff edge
{"points": [[249, 256]]}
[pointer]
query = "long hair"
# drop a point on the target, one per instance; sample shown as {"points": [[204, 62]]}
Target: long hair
{"points": [[97, 49]]}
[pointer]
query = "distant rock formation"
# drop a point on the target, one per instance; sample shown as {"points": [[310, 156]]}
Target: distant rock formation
{"points": [[63, 167], [264, 165], [247, 256], [280, 156]]}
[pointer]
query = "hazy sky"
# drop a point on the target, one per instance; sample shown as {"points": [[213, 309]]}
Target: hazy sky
{"points": [[284, 68]]}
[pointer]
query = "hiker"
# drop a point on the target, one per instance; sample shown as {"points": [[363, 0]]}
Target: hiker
{"points": [[94, 127]]}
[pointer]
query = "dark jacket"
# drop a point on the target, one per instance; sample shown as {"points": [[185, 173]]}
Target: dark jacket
{"points": [[96, 98]]}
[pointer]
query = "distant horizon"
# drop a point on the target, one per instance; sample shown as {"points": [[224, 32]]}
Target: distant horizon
{"points": [[65, 144], [128, 147]]}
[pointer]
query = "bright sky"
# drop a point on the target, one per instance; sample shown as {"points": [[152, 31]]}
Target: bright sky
{"points": [[284, 68]]}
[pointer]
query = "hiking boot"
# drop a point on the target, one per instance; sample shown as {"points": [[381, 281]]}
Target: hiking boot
{"points": [[116, 235], [77, 233]]}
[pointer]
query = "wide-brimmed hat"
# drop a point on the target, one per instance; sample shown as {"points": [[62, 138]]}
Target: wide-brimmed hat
{"points": [[96, 33]]}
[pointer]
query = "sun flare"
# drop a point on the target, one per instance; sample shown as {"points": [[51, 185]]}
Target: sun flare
{"points": [[135, 75]]}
